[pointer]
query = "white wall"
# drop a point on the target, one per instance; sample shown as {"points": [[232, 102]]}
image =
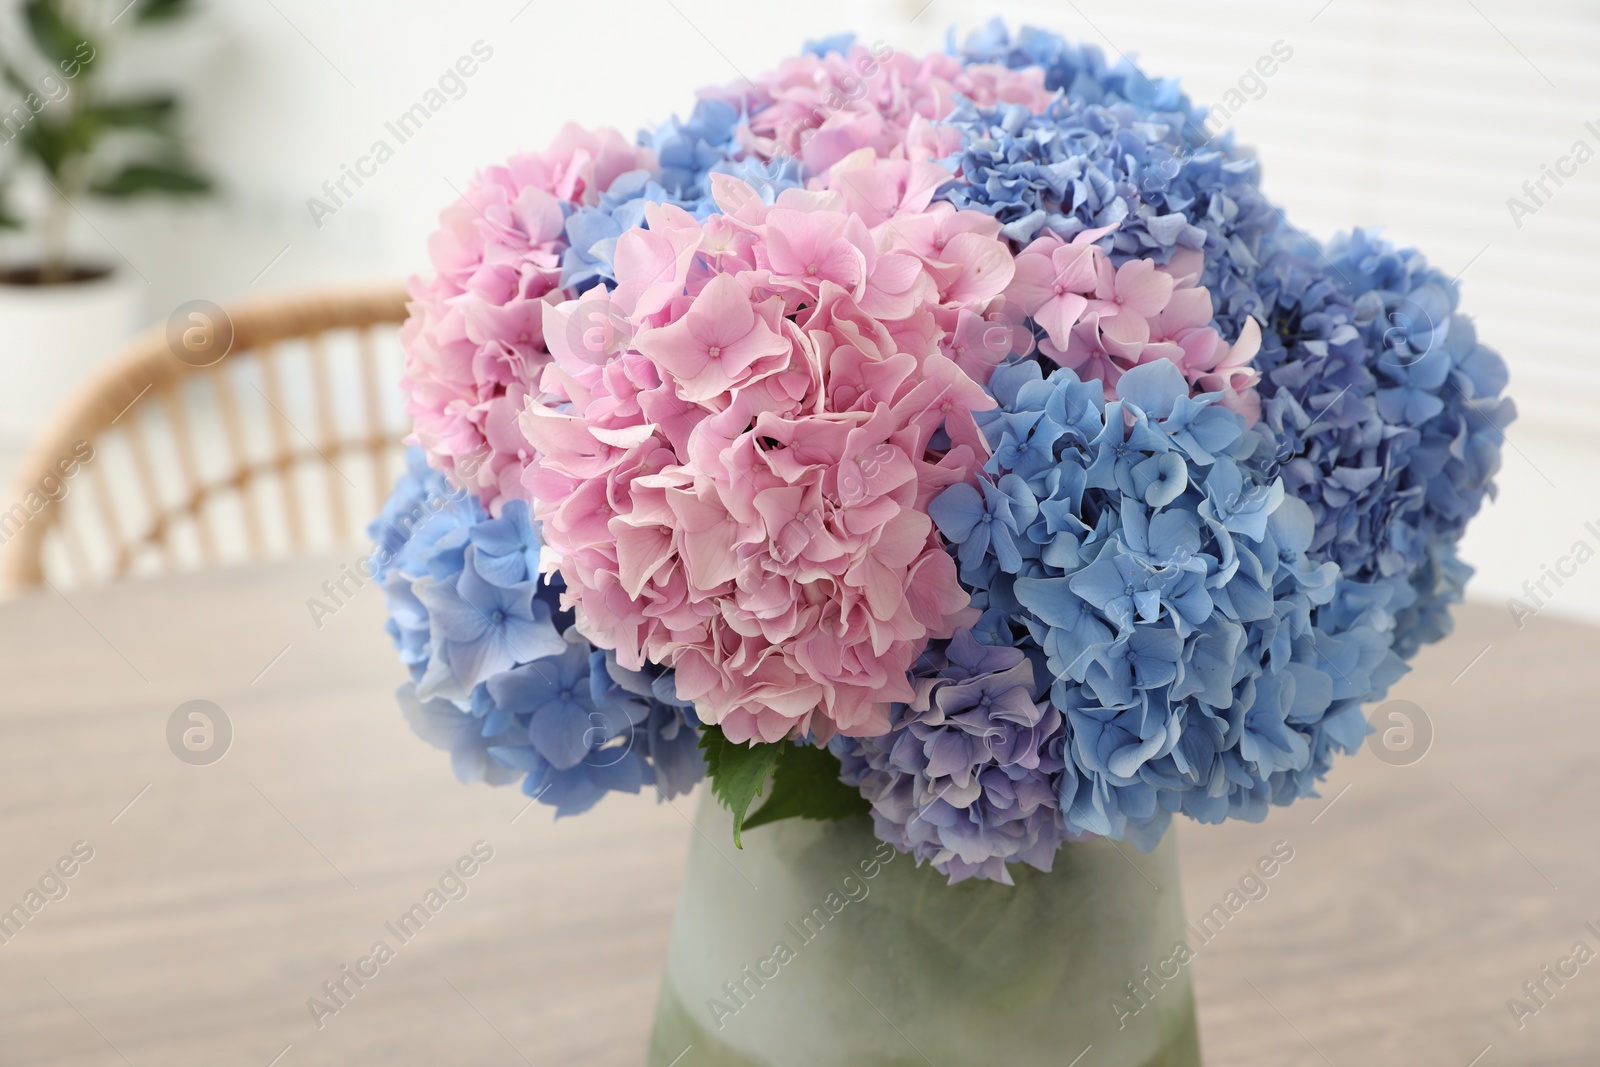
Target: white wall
{"points": [[1422, 117]]}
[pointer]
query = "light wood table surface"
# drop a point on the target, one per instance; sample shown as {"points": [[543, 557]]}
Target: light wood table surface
{"points": [[220, 898]]}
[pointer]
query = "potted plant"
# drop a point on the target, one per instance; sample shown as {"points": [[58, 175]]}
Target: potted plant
{"points": [[67, 137]]}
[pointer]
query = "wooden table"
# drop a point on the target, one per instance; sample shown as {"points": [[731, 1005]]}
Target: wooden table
{"points": [[220, 898]]}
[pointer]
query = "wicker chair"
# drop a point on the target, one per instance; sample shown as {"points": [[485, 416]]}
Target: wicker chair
{"points": [[286, 445]]}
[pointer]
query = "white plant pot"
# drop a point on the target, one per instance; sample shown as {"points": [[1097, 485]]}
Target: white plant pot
{"points": [[51, 338]]}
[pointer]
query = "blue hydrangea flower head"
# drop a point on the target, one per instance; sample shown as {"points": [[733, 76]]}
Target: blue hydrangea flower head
{"points": [[1169, 587], [500, 680]]}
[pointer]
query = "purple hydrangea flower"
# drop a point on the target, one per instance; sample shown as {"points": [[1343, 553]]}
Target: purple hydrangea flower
{"points": [[965, 779]]}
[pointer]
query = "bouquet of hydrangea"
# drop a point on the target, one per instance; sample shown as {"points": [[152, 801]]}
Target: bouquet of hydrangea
{"points": [[964, 440]]}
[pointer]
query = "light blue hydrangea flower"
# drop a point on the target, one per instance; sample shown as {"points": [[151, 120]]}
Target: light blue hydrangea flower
{"points": [[1387, 415], [479, 629], [1168, 588], [499, 678], [688, 151]]}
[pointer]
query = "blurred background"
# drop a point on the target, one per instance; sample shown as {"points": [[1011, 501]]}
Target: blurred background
{"points": [[1435, 120]]}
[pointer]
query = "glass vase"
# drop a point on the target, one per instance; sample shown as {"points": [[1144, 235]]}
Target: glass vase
{"points": [[817, 945]]}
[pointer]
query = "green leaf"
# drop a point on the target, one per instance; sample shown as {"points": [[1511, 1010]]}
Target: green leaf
{"points": [[139, 179], [161, 10], [54, 143], [806, 785], [737, 772], [53, 33], [18, 83], [152, 113]]}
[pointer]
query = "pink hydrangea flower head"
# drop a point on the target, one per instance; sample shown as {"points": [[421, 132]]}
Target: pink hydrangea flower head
{"points": [[580, 164], [819, 109], [960, 250], [734, 451], [474, 340], [1102, 320]]}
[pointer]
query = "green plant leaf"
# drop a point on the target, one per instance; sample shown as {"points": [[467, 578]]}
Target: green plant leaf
{"points": [[14, 79], [737, 772], [806, 785], [153, 113], [53, 33], [161, 10], [140, 179], [54, 143]]}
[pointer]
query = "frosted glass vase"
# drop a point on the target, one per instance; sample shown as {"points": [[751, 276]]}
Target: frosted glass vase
{"points": [[819, 946]]}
